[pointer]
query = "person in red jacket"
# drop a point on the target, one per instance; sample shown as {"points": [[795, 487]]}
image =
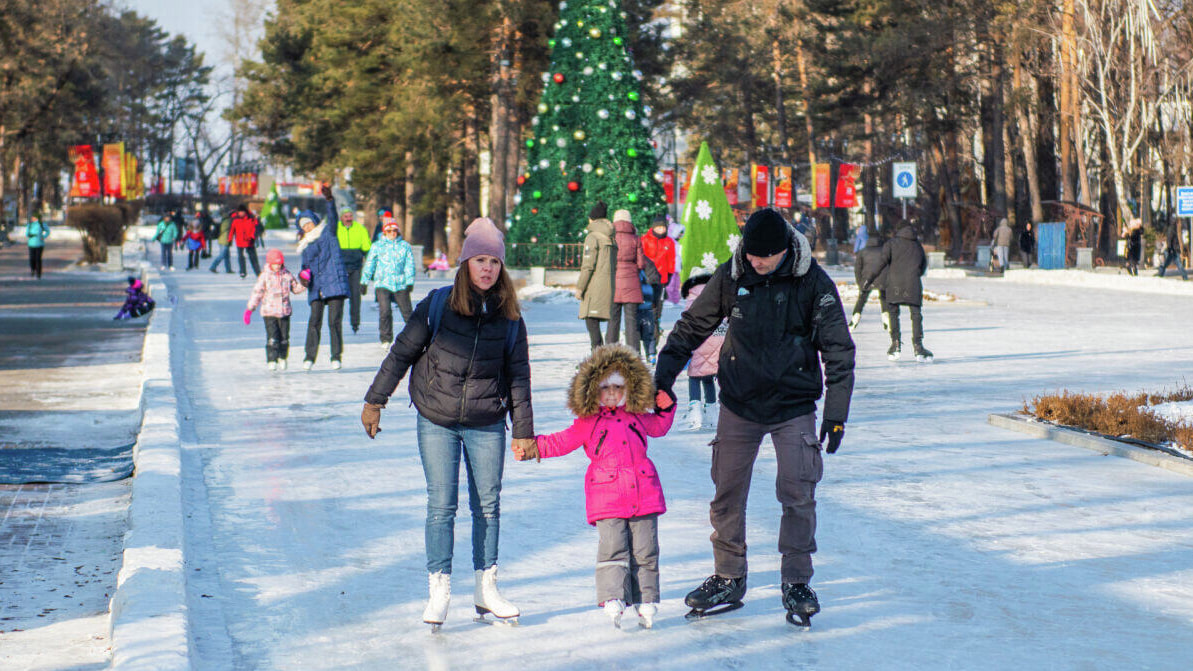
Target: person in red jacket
{"points": [[660, 249], [244, 233]]}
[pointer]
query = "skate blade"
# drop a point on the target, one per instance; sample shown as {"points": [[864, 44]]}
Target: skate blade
{"points": [[480, 618], [800, 619], [924, 359], [697, 614], [435, 626]]}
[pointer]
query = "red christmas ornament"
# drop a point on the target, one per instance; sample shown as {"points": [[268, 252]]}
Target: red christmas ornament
{"points": [[558, 77], [534, 210], [521, 180], [573, 186]]}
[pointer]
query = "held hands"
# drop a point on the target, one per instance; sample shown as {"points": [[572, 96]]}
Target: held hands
{"points": [[370, 417], [364, 290], [248, 317], [834, 431], [526, 449], [325, 190], [664, 399]]}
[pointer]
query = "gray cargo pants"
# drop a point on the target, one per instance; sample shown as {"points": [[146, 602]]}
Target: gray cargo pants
{"points": [[628, 559], [800, 468]]}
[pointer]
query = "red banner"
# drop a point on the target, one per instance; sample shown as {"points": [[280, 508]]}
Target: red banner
{"points": [[86, 179], [669, 185], [846, 187], [732, 175], [252, 184], [760, 183], [820, 177], [784, 188], [114, 170], [683, 186]]}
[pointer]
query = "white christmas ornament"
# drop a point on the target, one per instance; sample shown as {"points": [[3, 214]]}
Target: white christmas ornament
{"points": [[575, 98], [561, 143], [587, 167], [544, 164], [546, 77], [710, 176], [629, 114], [704, 210], [567, 41], [603, 113], [616, 76], [588, 70], [602, 66], [637, 74]]}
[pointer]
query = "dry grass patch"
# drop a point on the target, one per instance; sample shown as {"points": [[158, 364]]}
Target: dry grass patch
{"points": [[1118, 414]]}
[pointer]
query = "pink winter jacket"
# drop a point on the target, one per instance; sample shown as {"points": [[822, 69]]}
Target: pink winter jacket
{"points": [[621, 481], [272, 292], [708, 354]]}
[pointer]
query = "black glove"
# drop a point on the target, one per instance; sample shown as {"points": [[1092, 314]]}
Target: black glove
{"points": [[834, 431]]}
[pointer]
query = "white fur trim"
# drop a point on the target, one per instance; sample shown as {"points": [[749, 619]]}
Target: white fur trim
{"points": [[614, 378]]}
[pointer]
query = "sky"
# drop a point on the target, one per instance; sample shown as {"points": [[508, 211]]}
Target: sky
{"points": [[195, 20]]}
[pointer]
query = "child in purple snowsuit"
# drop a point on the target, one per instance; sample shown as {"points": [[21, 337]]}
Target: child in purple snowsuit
{"points": [[136, 303]]}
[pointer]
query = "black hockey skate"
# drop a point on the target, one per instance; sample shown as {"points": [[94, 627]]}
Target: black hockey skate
{"points": [[922, 355], [800, 602], [716, 596], [895, 351]]}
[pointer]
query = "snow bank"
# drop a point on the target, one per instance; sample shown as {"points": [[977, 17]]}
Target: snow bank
{"points": [[546, 295], [1091, 280], [1176, 412], [148, 621]]}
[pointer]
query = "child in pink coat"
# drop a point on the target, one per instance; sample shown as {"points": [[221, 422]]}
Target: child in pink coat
{"points": [[702, 370], [272, 292], [616, 409]]}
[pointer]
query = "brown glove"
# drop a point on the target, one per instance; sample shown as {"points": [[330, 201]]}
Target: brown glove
{"points": [[370, 417], [526, 449]]}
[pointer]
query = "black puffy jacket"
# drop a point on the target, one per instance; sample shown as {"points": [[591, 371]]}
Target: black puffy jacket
{"points": [[464, 376], [904, 262], [868, 268], [781, 326]]}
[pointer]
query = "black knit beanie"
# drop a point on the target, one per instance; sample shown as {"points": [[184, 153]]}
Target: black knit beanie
{"points": [[599, 211], [765, 233]]}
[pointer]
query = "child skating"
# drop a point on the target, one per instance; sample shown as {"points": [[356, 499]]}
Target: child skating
{"points": [[702, 370], [272, 292], [616, 408]]}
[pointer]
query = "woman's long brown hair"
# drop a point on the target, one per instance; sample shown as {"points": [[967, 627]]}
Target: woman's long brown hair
{"points": [[507, 296]]}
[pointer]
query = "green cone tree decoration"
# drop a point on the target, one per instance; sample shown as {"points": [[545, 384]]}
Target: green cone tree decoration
{"points": [[590, 140], [712, 234]]}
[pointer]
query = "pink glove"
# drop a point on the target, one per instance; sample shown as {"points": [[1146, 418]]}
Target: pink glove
{"points": [[248, 316], [305, 274]]}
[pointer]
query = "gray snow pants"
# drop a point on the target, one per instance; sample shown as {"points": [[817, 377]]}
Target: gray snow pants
{"points": [[628, 559], [800, 467]]}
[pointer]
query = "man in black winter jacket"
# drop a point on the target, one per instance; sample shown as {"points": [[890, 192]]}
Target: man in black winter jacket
{"points": [[903, 264], [785, 317]]}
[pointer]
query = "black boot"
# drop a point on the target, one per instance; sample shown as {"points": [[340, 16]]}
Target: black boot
{"points": [[717, 595], [801, 603], [922, 354], [894, 352]]}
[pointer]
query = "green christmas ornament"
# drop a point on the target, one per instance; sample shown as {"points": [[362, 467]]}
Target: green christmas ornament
{"points": [[537, 194], [616, 40], [530, 144], [631, 152], [551, 42], [633, 197], [632, 95]]}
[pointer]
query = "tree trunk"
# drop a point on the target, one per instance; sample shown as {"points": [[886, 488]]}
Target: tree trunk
{"points": [[1068, 99], [1047, 170], [780, 106], [993, 118], [801, 62], [1027, 140], [408, 208], [946, 159], [499, 126]]}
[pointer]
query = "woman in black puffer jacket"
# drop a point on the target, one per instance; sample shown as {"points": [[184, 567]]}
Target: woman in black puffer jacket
{"points": [[468, 349]]}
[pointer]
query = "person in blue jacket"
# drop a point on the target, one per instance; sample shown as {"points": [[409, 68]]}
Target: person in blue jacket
{"points": [[36, 232], [390, 266], [324, 275]]}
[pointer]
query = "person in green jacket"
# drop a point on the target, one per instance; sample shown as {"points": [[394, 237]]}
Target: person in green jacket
{"points": [[354, 244], [167, 235], [225, 247], [36, 232]]}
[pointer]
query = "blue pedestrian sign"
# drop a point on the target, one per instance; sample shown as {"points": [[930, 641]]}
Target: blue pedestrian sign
{"points": [[904, 178], [1184, 201]]}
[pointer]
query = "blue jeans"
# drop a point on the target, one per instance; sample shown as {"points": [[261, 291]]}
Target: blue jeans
{"points": [[167, 254], [225, 257], [484, 460]]}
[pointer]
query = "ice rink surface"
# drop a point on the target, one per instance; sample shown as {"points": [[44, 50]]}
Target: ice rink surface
{"points": [[945, 543]]}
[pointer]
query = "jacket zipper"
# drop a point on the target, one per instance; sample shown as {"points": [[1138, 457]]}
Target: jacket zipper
{"points": [[468, 373], [600, 441]]}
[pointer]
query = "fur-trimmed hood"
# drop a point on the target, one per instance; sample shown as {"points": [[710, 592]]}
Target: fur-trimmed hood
{"points": [[584, 395], [799, 245]]}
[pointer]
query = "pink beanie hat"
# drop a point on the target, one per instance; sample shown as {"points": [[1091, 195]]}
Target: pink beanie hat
{"points": [[275, 256], [483, 237]]}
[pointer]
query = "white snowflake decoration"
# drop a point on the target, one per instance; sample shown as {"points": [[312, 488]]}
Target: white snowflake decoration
{"points": [[708, 262], [733, 241], [710, 175], [704, 210]]}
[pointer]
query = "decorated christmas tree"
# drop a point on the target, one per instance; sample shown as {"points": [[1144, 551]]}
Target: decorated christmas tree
{"points": [[712, 234], [590, 140]]}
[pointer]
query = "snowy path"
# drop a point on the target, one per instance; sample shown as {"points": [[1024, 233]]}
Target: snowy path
{"points": [[944, 542]]}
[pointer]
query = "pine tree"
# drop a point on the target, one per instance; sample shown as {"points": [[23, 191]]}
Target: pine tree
{"points": [[590, 139], [712, 233]]}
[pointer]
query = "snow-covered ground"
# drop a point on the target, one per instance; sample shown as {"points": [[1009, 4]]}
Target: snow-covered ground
{"points": [[944, 542]]}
